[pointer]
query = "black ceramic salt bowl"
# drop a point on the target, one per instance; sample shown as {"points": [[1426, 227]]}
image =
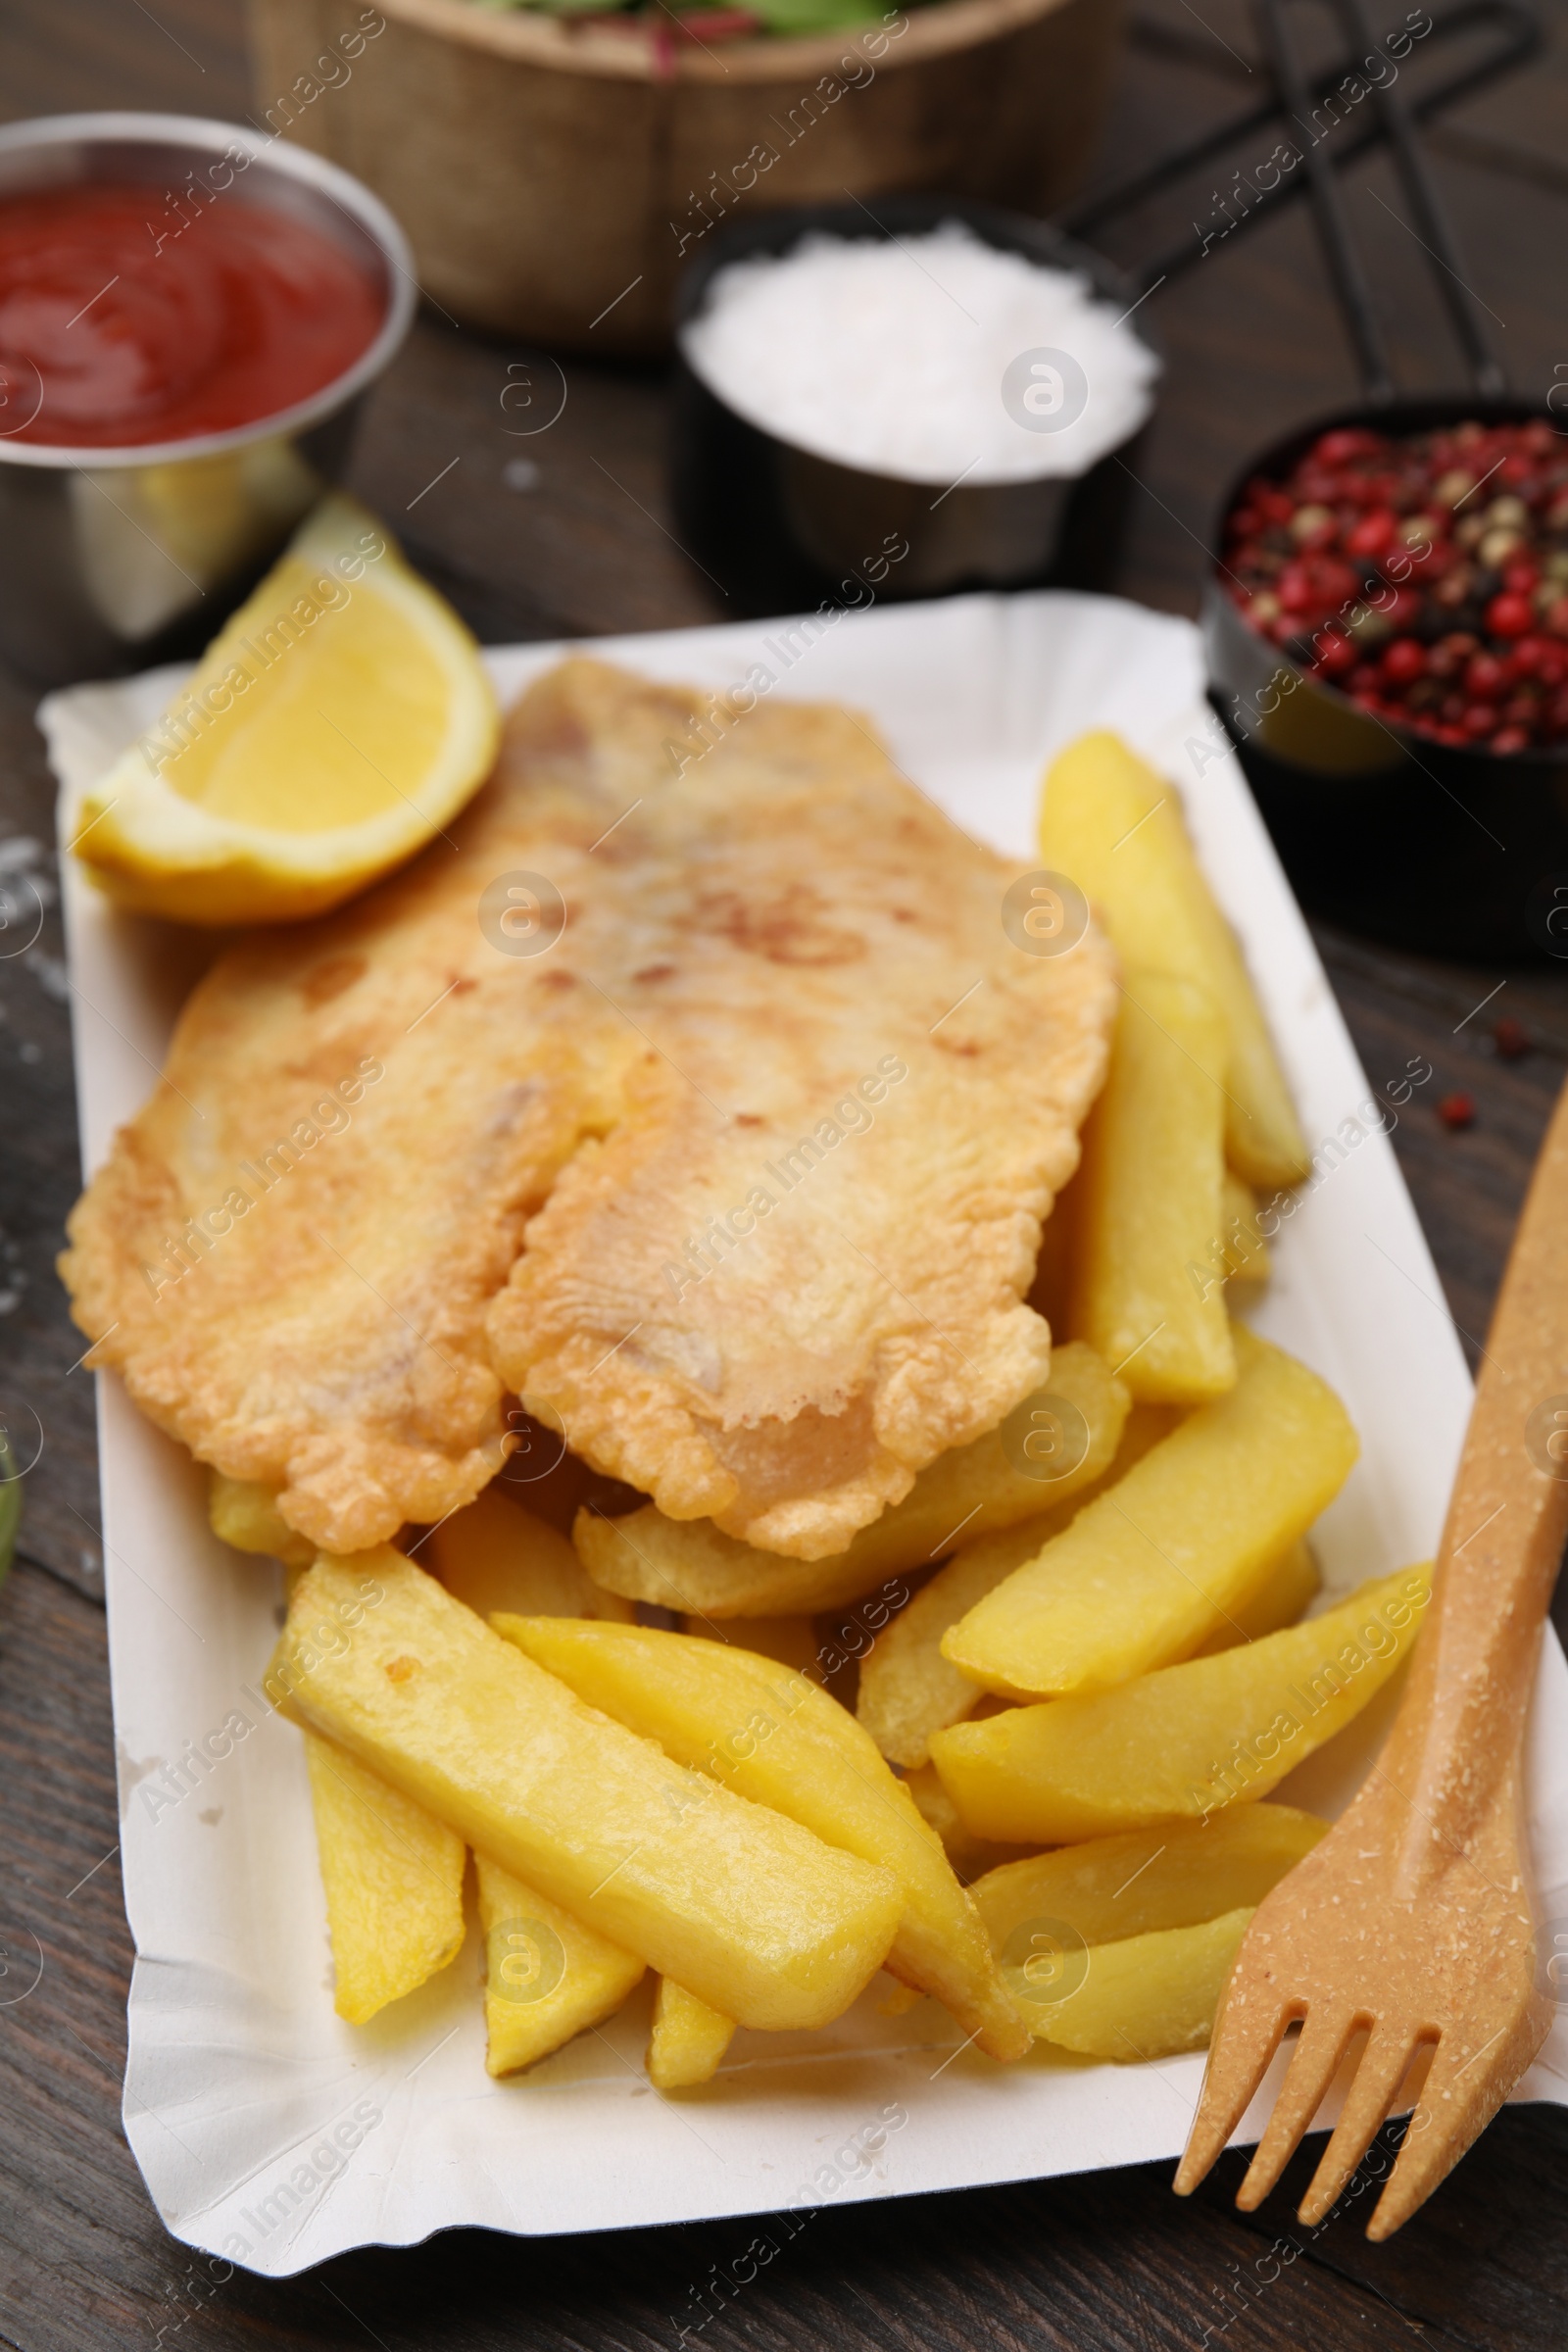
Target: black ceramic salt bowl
{"points": [[778, 527]]}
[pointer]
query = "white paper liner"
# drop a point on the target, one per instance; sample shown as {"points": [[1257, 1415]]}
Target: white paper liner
{"points": [[271, 2133]]}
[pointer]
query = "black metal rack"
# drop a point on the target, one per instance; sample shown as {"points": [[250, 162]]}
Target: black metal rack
{"points": [[1515, 37]]}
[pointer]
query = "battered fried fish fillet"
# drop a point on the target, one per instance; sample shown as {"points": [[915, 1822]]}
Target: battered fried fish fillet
{"points": [[742, 1177]]}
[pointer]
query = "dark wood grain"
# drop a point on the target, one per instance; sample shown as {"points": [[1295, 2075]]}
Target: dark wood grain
{"points": [[38, 1172], [568, 532]]}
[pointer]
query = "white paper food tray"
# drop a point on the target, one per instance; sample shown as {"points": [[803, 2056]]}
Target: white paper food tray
{"points": [[271, 2133]]}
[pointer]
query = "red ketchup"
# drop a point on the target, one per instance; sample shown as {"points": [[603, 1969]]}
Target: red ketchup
{"points": [[123, 324]]}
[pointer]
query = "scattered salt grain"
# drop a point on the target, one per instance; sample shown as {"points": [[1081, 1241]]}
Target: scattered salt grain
{"points": [[927, 358]]}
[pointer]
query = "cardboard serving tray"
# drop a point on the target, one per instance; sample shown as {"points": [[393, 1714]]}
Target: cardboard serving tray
{"points": [[272, 2134]]}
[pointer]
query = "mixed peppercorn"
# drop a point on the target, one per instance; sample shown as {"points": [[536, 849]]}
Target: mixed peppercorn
{"points": [[1426, 577]]}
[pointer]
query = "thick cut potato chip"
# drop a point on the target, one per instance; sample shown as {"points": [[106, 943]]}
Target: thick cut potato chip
{"points": [[393, 1875], [1059, 1243], [1185, 1742], [743, 1906], [970, 1856], [1144, 1882], [1243, 1257], [1284, 1595], [496, 1554], [791, 1640], [908, 1689], [1147, 1199], [688, 2041], [1118, 1948], [1116, 828], [1154, 1567], [1150, 1997], [547, 1975], [245, 1513], [773, 1737], [1054, 1445]]}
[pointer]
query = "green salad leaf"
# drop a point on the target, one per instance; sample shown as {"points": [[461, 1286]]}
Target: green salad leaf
{"points": [[816, 16]]}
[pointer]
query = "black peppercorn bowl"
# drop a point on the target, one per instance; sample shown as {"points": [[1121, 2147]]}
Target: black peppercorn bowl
{"points": [[1456, 850]]}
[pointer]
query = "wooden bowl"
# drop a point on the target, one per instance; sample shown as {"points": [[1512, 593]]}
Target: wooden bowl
{"points": [[552, 174]]}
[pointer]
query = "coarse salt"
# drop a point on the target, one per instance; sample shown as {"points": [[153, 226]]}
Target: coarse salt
{"points": [[933, 358]]}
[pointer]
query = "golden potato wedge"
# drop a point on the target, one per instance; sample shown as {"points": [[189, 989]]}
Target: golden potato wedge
{"points": [[1184, 1742], [691, 1566], [743, 1906], [393, 1875], [773, 1737], [1048, 1291], [1176, 1875], [547, 1975], [908, 1689], [1105, 1947], [1283, 1598], [688, 2041], [1053, 1445], [1149, 1199], [1152, 1569], [970, 1857], [542, 1475], [1117, 830], [497, 1554], [1149, 1998], [791, 1640], [1242, 1259], [244, 1513]]}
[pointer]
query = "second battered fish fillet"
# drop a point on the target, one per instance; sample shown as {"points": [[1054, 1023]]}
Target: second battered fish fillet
{"points": [[742, 1177]]}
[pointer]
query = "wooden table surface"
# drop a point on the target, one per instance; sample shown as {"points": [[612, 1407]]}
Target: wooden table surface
{"points": [[555, 548]]}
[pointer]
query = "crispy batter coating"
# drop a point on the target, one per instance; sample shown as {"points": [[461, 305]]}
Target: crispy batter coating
{"points": [[726, 1175]]}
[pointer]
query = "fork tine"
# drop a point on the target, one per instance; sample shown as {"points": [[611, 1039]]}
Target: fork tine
{"points": [[1244, 2040], [1322, 2045], [1459, 2098], [1384, 2064]]}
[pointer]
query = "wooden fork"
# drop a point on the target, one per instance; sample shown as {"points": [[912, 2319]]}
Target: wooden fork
{"points": [[1412, 1920]]}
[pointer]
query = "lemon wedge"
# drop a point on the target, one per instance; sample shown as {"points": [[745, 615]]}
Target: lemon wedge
{"points": [[338, 721]]}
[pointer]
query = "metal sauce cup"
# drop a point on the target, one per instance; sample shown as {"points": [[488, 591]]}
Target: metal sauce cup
{"points": [[115, 557]]}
